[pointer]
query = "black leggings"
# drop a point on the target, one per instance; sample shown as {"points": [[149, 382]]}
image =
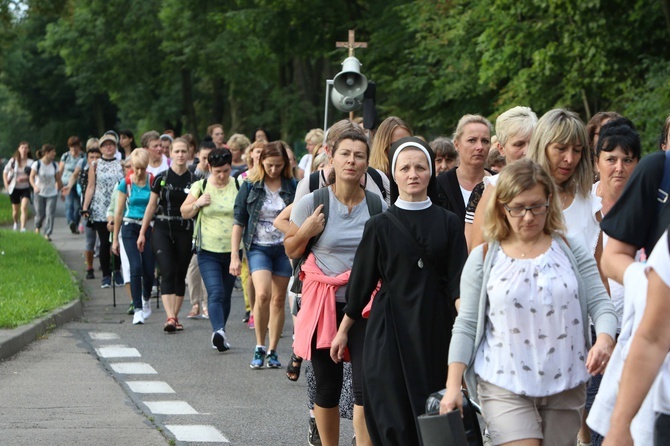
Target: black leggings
{"points": [[172, 248], [105, 249], [328, 375]]}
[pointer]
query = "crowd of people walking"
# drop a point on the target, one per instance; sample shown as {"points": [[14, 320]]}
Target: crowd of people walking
{"points": [[507, 259]]}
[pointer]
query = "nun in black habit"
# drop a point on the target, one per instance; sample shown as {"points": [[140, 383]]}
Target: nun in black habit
{"points": [[417, 250]]}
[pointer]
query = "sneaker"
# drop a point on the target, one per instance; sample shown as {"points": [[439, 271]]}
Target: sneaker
{"points": [[118, 278], [73, 228], [245, 319], [89, 274], [106, 282], [81, 229], [154, 291], [131, 310], [313, 437], [273, 360], [259, 358], [251, 322], [146, 308], [238, 284], [23, 229], [138, 318], [15, 227], [219, 340]]}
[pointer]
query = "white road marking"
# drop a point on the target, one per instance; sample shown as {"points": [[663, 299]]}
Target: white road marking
{"points": [[150, 387], [117, 352], [100, 336], [133, 368], [197, 433], [170, 407]]}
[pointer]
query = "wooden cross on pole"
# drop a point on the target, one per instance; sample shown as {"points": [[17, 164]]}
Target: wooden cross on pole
{"points": [[351, 44]]}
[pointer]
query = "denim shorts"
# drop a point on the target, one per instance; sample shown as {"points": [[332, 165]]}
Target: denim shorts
{"points": [[269, 258]]}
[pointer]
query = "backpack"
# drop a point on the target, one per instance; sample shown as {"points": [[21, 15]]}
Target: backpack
{"points": [[322, 196], [39, 163], [374, 174]]}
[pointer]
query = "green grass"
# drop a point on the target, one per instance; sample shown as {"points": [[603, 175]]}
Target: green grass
{"points": [[5, 210], [33, 280]]}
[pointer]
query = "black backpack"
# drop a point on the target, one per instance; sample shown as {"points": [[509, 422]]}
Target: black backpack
{"points": [[322, 196]]}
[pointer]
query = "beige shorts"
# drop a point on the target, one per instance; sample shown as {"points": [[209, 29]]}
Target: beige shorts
{"points": [[555, 419]]}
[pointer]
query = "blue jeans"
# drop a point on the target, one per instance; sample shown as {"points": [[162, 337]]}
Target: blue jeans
{"points": [[219, 284], [72, 206], [142, 264]]}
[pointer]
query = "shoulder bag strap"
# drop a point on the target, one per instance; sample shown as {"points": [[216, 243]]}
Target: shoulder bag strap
{"points": [[664, 188], [377, 178]]}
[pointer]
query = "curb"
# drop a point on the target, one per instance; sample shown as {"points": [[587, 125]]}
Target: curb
{"points": [[14, 340]]}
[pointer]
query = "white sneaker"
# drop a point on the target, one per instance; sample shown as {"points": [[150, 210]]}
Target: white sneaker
{"points": [[220, 341], [16, 226], [138, 318], [146, 308]]}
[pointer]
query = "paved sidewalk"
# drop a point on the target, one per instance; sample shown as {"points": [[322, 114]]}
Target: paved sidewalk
{"points": [[54, 391]]}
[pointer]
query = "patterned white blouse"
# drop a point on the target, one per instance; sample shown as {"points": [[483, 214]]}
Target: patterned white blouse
{"points": [[534, 338]]}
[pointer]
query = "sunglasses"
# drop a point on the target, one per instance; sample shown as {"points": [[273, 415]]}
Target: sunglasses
{"points": [[223, 158]]}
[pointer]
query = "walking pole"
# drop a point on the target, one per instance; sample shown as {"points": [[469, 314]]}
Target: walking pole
{"points": [[158, 287], [113, 274]]}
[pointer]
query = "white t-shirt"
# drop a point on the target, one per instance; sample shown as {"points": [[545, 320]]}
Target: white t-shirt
{"points": [[659, 261], [306, 164], [46, 178], [165, 165], [581, 222]]}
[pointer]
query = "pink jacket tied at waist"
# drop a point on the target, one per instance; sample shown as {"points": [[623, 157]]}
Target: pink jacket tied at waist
{"points": [[317, 308]]}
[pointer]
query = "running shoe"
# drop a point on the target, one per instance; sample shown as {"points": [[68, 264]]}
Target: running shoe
{"points": [[131, 310], [146, 308], [259, 358], [90, 274], [73, 228], [245, 319], [251, 322], [273, 360], [219, 340], [138, 319], [118, 278], [106, 282]]}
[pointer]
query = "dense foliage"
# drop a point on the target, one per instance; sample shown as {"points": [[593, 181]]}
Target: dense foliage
{"points": [[84, 66]]}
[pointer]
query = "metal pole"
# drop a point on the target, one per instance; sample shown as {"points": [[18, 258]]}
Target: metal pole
{"points": [[329, 82]]}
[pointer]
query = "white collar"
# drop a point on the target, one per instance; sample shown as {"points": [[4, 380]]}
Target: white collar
{"points": [[413, 205]]}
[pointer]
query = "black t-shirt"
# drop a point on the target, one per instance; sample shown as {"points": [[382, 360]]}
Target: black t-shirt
{"points": [[172, 190], [634, 218]]}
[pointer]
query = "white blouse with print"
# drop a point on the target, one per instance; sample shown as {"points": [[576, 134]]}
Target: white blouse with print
{"points": [[534, 339]]}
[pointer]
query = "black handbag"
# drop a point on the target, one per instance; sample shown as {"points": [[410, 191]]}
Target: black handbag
{"points": [[451, 428]]}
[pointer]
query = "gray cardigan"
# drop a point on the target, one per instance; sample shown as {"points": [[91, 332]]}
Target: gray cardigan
{"points": [[470, 324]]}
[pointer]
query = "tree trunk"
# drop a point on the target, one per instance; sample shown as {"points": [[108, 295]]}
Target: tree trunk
{"points": [[187, 100], [665, 4], [218, 99]]}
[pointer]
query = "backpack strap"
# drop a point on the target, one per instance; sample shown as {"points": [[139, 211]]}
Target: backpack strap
{"points": [[374, 203], [314, 181], [664, 189], [377, 178]]}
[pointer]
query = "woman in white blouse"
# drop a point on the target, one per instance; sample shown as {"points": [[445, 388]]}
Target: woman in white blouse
{"points": [[522, 335]]}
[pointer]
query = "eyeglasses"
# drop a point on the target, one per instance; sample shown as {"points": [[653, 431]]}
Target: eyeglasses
{"points": [[223, 158], [538, 209]]}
